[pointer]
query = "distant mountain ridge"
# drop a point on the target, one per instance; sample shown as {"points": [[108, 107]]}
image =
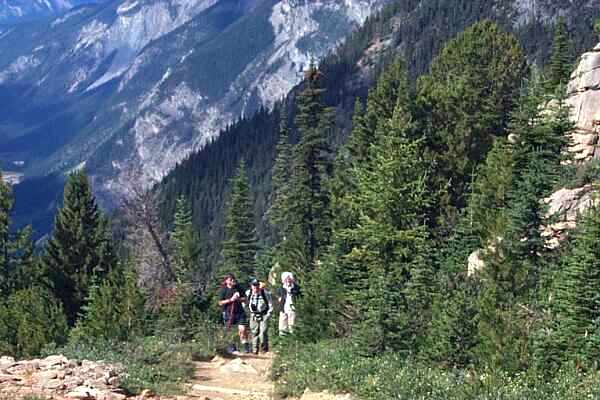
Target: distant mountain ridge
{"points": [[131, 87]]}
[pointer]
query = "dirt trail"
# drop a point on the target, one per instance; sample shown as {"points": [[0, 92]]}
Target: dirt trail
{"points": [[244, 376]]}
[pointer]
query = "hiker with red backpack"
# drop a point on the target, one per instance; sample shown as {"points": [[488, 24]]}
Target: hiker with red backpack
{"points": [[260, 305], [231, 300]]}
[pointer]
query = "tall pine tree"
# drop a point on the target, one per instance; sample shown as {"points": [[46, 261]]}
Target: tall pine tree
{"points": [[240, 246], [464, 103], [561, 65], [308, 209], [392, 289], [80, 248]]}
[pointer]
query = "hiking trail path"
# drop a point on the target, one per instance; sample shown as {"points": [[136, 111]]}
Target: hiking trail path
{"points": [[243, 376]]}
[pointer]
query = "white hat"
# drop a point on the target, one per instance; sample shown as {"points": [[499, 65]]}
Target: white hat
{"points": [[285, 275]]}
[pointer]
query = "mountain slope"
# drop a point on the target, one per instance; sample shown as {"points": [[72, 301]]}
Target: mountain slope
{"points": [[12, 11], [130, 88], [414, 30]]}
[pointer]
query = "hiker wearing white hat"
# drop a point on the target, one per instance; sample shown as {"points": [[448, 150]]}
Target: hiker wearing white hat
{"points": [[286, 296]]}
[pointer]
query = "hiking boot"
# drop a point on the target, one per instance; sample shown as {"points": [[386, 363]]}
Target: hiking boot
{"points": [[247, 348]]}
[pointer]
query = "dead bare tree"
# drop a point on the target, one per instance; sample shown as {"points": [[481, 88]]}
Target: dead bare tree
{"points": [[147, 238]]}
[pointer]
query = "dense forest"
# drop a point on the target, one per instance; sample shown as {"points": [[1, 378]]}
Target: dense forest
{"points": [[374, 182]]}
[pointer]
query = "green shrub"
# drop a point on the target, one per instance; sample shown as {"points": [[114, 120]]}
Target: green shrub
{"points": [[334, 365], [29, 320]]}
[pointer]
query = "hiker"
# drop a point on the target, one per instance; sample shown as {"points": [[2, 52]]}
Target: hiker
{"points": [[260, 304], [231, 300], [286, 297]]}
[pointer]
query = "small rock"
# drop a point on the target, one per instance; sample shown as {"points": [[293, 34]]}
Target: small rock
{"points": [[73, 382], [54, 384], [83, 392], [46, 375], [238, 366], [51, 361], [114, 381], [116, 396], [8, 378], [6, 361]]}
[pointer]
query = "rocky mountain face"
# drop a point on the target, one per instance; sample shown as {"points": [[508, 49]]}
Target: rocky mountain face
{"points": [[129, 88], [22, 10], [567, 204]]}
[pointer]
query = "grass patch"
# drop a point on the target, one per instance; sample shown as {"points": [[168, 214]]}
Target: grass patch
{"points": [[334, 366]]}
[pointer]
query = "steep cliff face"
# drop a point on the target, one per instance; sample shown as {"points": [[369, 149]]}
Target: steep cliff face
{"points": [[131, 87], [566, 205]]}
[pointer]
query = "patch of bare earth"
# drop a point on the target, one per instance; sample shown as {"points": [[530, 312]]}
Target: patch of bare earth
{"points": [[244, 376]]}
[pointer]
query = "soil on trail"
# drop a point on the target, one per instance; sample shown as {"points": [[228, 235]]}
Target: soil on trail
{"points": [[243, 376]]}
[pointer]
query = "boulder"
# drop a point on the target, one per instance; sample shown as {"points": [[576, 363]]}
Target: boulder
{"points": [[238, 366], [52, 361], [565, 206], [53, 384]]}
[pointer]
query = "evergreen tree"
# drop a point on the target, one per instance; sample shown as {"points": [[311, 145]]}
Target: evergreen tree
{"points": [[560, 65], [114, 309], [280, 181], [239, 246], [452, 335], [464, 103], [518, 259], [308, 205], [6, 203], [392, 91], [80, 248], [187, 249], [573, 332], [393, 291], [29, 320]]}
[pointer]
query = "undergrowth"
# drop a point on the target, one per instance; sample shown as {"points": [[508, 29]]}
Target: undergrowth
{"points": [[334, 366]]}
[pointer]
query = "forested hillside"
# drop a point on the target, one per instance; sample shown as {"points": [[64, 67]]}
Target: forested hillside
{"points": [[412, 30]]}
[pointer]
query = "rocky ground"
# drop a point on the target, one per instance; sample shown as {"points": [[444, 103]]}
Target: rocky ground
{"points": [[56, 377]]}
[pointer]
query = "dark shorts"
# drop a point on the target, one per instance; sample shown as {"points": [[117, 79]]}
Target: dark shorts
{"points": [[238, 318]]}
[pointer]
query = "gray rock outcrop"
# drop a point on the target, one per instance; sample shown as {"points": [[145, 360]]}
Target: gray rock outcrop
{"points": [[584, 99], [58, 377]]}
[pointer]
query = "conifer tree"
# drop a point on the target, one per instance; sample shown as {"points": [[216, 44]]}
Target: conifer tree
{"points": [[29, 320], [240, 246], [187, 249], [18, 268], [452, 335], [6, 203], [280, 181], [309, 210], [391, 241], [464, 103], [114, 308], [516, 265], [79, 248], [560, 66], [573, 332]]}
